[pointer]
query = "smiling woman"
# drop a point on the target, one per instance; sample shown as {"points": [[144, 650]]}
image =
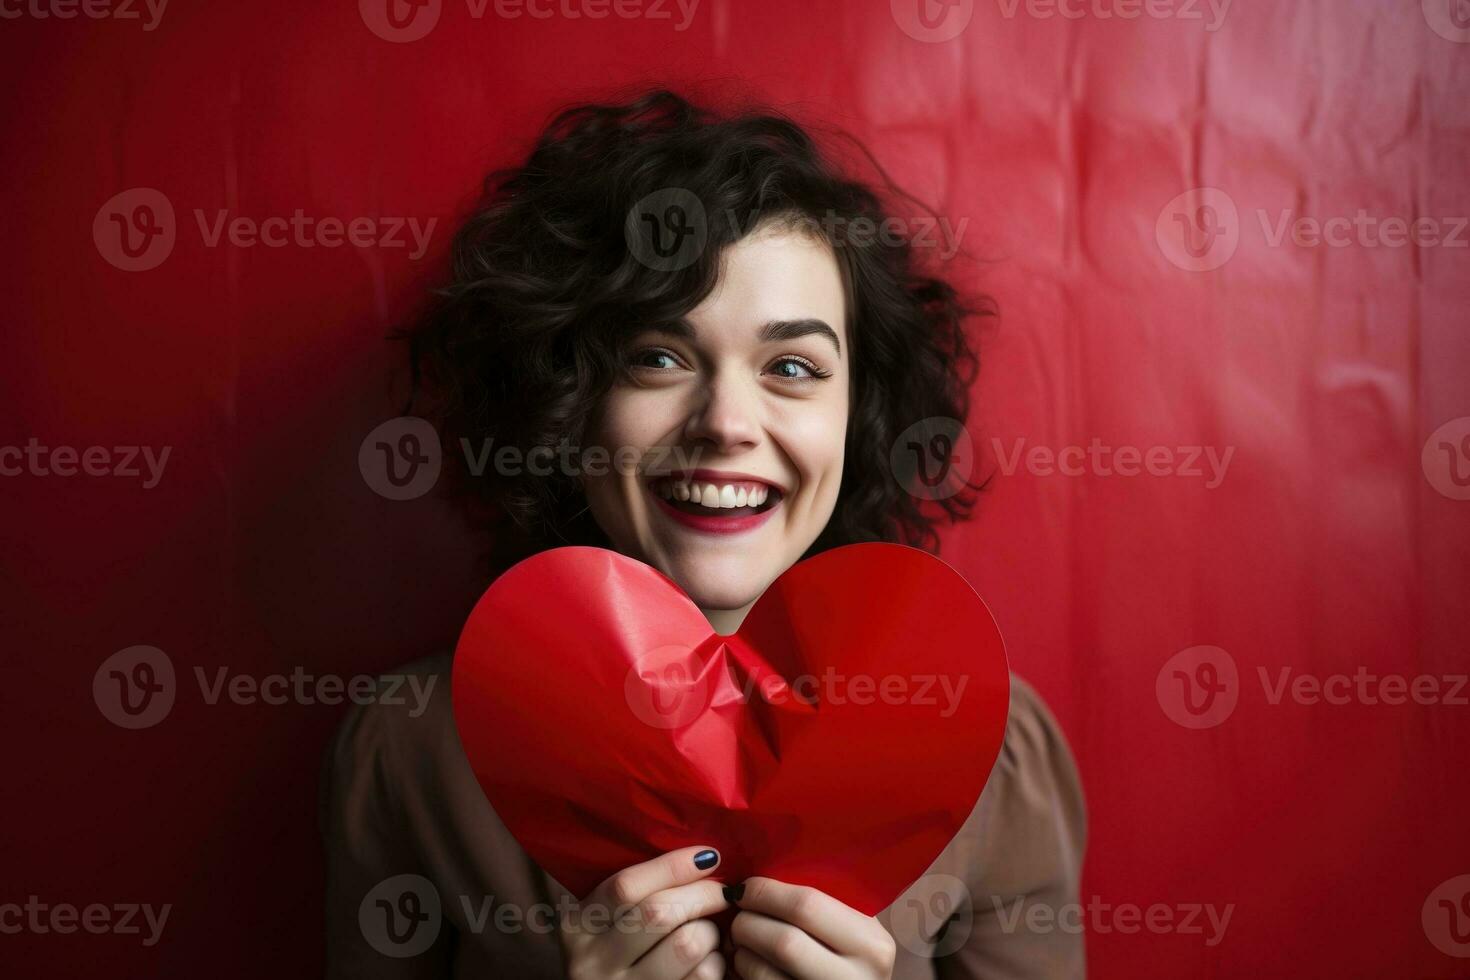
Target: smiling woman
{"points": [[560, 299], [754, 384], [676, 286]]}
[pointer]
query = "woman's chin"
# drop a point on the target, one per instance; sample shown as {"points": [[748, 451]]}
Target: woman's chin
{"points": [[712, 591]]}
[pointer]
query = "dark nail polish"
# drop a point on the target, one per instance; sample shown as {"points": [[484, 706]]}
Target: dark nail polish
{"points": [[734, 893], [705, 860]]}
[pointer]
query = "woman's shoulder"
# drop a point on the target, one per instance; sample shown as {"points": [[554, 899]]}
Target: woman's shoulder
{"points": [[399, 802], [1029, 827], [1034, 742], [396, 724], [406, 698]]}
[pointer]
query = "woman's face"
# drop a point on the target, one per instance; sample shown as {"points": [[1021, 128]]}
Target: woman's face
{"points": [[739, 414]]}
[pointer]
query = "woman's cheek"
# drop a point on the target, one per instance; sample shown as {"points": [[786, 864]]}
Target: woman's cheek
{"points": [[818, 435], [643, 418]]}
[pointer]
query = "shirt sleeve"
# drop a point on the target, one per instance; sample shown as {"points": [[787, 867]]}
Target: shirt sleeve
{"points": [[377, 896], [1022, 853]]}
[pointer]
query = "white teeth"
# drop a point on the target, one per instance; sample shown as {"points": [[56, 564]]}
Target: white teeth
{"points": [[712, 496]]}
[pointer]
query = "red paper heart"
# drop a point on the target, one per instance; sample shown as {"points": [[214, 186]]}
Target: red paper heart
{"points": [[608, 723]]}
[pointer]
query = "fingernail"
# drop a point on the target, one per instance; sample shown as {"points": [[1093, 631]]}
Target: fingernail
{"points": [[705, 860], [733, 893]]}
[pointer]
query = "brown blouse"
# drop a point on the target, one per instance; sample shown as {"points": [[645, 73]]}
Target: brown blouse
{"points": [[423, 880]]}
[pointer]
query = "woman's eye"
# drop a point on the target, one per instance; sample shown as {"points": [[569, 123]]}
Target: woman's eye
{"points": [[795, 369], [659, 360]]}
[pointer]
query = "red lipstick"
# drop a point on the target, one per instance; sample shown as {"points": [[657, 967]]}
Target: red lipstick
{"points": [[714, 522]]}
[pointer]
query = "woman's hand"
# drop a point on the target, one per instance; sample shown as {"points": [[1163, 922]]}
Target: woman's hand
{"points": [[798, 932], [648, 922]]}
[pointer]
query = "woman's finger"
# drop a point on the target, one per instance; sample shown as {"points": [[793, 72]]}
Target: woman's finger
{"points": [[712, 967], [658, 915], [784, 946], [841, 927], [633, 884], [749, 966], [676, 954]]}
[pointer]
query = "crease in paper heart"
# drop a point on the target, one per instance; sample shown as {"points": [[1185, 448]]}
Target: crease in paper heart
{"points": [[728, 695], [607, 722]]}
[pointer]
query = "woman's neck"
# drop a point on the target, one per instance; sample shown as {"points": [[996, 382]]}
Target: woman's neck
{"points": [[727, 621]]}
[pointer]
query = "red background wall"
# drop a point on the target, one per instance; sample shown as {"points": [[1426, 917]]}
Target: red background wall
{"points": [[1326, 548]]}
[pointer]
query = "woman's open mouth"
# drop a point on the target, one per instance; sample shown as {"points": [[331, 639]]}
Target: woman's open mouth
{"points": [[716, 503]]}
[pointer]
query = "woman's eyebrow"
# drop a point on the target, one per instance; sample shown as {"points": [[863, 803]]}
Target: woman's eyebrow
{"points": [[791, 329], [772, 331]]}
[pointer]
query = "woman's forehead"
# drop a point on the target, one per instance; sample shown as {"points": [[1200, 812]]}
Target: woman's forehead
{"points": [[773, 276]]}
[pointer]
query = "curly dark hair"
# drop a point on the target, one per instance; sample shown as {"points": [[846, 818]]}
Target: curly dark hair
{"points": [[546, 289]]}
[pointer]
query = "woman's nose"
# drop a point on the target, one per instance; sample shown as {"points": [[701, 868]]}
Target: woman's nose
{"points": [[726, 418]]}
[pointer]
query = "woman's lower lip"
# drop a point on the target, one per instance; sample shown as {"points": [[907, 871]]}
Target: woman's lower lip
{"points": [[712, 524]]}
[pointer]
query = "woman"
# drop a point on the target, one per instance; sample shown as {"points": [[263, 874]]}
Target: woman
{"points": [[660, 281]]}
